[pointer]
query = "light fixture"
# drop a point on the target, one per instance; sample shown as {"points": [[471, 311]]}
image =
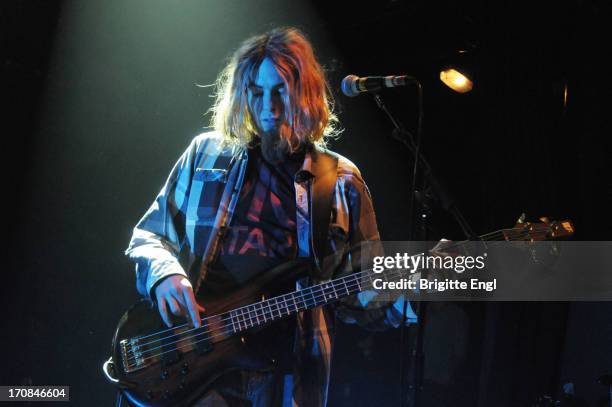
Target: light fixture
{"points": [[457, 73], [456, 80]]}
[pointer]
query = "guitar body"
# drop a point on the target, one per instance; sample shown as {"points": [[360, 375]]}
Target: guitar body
{"points": [[153, 368]]}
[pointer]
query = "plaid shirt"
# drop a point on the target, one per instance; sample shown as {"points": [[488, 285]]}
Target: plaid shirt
{"points": [[179, 234]]}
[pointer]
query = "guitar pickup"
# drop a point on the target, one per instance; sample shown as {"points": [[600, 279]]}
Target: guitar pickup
{"points": [[202, 341], [169, 351]]}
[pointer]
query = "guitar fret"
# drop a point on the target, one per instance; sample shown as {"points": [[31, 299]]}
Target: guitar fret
{"points": [[294, 303], [262, 308], [258, 308], [243, 318], [303, 299], [245, 314], [250, 311], [248, 315], [386, 277], [285, 304], [232, 313], [275, 308], [262, 311], [278, 309], [335, 293], [326, 296], [345, 286], [371, 280], [329, 296], [270, 308], [358, 285]]}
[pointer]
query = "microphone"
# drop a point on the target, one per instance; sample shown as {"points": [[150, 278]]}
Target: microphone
{"points": [[353, 85]]}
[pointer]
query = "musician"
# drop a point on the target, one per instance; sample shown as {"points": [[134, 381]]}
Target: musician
{"points": [[237, 204]]}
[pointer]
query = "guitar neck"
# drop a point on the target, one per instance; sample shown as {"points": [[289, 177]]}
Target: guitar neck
{"points": [[282, 306], [276, 308], [310, 297]]}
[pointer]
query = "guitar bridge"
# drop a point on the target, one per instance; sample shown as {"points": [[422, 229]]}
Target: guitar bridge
{"points": [[131, 356]]}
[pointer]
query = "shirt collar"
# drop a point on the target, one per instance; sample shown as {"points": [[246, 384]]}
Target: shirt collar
{"points": [[309, 168]]}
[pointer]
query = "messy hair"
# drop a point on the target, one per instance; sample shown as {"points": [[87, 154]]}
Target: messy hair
{"points": [[309, 116]]}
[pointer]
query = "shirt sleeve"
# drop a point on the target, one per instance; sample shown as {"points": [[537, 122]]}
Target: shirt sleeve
{"points": [[369, 309], [157, 238]]}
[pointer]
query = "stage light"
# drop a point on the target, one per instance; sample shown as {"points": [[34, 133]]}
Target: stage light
{"points": [[456, 80], [458, 71]]}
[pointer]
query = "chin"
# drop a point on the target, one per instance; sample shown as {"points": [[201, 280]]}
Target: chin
{"points": [[273, 148]]}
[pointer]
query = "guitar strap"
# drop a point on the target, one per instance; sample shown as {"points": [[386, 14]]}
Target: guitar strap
{"points": [[325, 169]]}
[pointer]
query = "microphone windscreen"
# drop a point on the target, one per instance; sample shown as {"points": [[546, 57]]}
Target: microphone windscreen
{"points": [[349, 86]]}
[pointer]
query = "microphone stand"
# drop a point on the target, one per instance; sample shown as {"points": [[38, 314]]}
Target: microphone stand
{"points": [[441, 194]]}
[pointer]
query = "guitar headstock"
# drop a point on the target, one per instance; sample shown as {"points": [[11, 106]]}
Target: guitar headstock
{"points": [[538, 231]]}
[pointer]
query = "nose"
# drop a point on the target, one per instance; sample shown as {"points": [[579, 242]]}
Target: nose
{"points": [[268, 104], [271, 103]]}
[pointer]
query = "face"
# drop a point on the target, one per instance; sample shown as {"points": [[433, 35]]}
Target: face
{"points": [[266, 96]]}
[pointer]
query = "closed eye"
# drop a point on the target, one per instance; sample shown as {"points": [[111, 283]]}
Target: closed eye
{"points": [[257, 91]]}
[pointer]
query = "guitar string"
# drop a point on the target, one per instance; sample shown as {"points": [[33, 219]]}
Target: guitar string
{"points": [[242, 310], [262, 312], [499, 233], [265, 307], [249, 318], [230, 329], [227, 329], [491, 235]]}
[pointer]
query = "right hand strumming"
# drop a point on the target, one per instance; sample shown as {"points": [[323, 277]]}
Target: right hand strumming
{"points": [[175, 294]]}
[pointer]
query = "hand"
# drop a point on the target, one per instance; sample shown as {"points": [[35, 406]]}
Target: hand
{"points": [[175, 293], [441, 249]]}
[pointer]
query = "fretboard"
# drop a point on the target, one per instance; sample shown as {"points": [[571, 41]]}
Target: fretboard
{"points": [[282, 306]]}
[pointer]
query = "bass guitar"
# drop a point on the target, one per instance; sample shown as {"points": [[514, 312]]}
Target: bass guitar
{"points": [[153, 365]]}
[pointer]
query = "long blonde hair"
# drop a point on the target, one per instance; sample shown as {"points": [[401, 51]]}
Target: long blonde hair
{"points": [[309, 116]]}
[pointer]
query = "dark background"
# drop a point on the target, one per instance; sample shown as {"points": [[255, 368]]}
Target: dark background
{"points": [[100, 100]]}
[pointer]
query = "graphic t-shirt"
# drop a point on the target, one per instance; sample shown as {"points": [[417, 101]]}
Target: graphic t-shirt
{"points": [[262, 233], [264, 220]]}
